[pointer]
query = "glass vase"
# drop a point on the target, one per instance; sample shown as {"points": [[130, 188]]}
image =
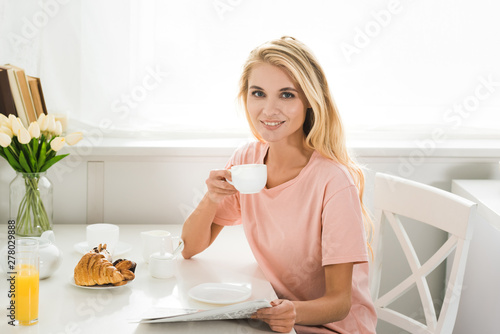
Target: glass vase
{"points": [[30, 204]]}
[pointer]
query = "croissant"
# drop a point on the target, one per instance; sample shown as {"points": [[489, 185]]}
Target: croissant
{"points": [[95, 269]]}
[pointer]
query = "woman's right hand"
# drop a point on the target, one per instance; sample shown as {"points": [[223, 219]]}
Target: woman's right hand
{"points": [[218, 187]]}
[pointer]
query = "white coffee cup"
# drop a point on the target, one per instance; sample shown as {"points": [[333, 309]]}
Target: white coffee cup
{"points": [[249, 178], [101, 233], [156, 241]]}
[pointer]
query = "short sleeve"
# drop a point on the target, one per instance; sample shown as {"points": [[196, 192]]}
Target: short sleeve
{"points": [[228, 211], [343, 233]]}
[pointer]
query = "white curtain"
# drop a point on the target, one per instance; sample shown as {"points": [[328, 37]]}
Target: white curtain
{"points": [[171, 68]]}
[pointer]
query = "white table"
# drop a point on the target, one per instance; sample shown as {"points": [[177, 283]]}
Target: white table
{"points": [[65, 308], [480, 302]]}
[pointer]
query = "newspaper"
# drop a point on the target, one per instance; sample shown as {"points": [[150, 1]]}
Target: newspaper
{"points": [[235, 311]]}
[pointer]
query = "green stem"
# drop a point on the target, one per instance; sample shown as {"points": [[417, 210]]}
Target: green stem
{"points": [[32, 215], [14, 151]]}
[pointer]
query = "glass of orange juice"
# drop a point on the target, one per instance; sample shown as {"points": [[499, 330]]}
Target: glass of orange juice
{"points": [[26, 281]]}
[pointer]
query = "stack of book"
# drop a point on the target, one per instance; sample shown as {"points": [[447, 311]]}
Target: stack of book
{"points": [[20, 94]]}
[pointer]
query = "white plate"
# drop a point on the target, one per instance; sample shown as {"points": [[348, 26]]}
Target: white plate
{"points": [[97, 287], [220, 293], [121, 248]]}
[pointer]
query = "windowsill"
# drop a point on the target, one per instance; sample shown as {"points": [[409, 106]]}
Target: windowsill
{"points": [[386, 142], [157, 147], [450, 148]]}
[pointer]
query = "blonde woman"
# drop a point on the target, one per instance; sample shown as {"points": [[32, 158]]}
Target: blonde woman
{"points": [[306, 229]]}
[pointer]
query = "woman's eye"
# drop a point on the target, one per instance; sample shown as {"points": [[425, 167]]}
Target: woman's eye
{"points": [[258, 93], [287, 95]]}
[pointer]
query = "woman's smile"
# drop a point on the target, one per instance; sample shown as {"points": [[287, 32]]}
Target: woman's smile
{"points": [[271, 125]]}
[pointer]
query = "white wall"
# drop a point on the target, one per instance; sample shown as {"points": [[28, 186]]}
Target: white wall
{"points": [[161, 184]]}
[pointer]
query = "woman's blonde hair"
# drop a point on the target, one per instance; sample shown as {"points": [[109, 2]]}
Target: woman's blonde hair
{"points": [[322, 126]]}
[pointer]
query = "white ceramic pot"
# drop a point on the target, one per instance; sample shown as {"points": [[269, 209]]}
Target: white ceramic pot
{"points": [[50, 255], [162, 265]]}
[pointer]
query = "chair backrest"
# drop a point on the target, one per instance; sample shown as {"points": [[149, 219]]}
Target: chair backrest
{"points": [[395, 197]]}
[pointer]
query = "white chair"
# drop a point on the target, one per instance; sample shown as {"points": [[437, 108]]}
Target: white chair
{"points": [[395, 197]]}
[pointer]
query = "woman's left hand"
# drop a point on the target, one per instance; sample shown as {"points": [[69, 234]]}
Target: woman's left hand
{"points": [[280, 317]]}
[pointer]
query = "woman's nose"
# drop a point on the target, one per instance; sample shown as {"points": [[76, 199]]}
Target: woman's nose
{"points": [[271, 108]]}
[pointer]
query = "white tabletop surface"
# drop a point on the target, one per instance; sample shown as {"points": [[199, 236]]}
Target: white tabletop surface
{"points": [[65, 308]]}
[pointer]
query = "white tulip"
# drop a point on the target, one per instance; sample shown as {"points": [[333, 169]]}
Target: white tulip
{"points": [[57, 143], [74, 138], [12, 119], [16, 125], [43, 122], [4, 140], [52, 124], [58, 129], [6, 130], [41, 118], [3, 119], [23, 136], [34, 130]]}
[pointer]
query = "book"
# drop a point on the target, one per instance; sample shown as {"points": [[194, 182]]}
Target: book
{"points": [[7, 105], [16, 95], [37, 95], [236, 311], [24, 89]]}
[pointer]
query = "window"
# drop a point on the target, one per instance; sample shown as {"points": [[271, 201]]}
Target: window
{"points": [[171, 67]]}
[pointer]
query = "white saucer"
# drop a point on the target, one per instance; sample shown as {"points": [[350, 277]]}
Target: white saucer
{"points": [[121, 248], [97, 287], [220, 293]]}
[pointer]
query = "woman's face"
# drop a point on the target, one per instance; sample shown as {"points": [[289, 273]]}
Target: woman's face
{"points": [[277, 107]]}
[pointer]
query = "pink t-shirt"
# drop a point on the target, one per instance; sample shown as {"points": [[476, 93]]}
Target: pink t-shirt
{"points": [[300, 226]]}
